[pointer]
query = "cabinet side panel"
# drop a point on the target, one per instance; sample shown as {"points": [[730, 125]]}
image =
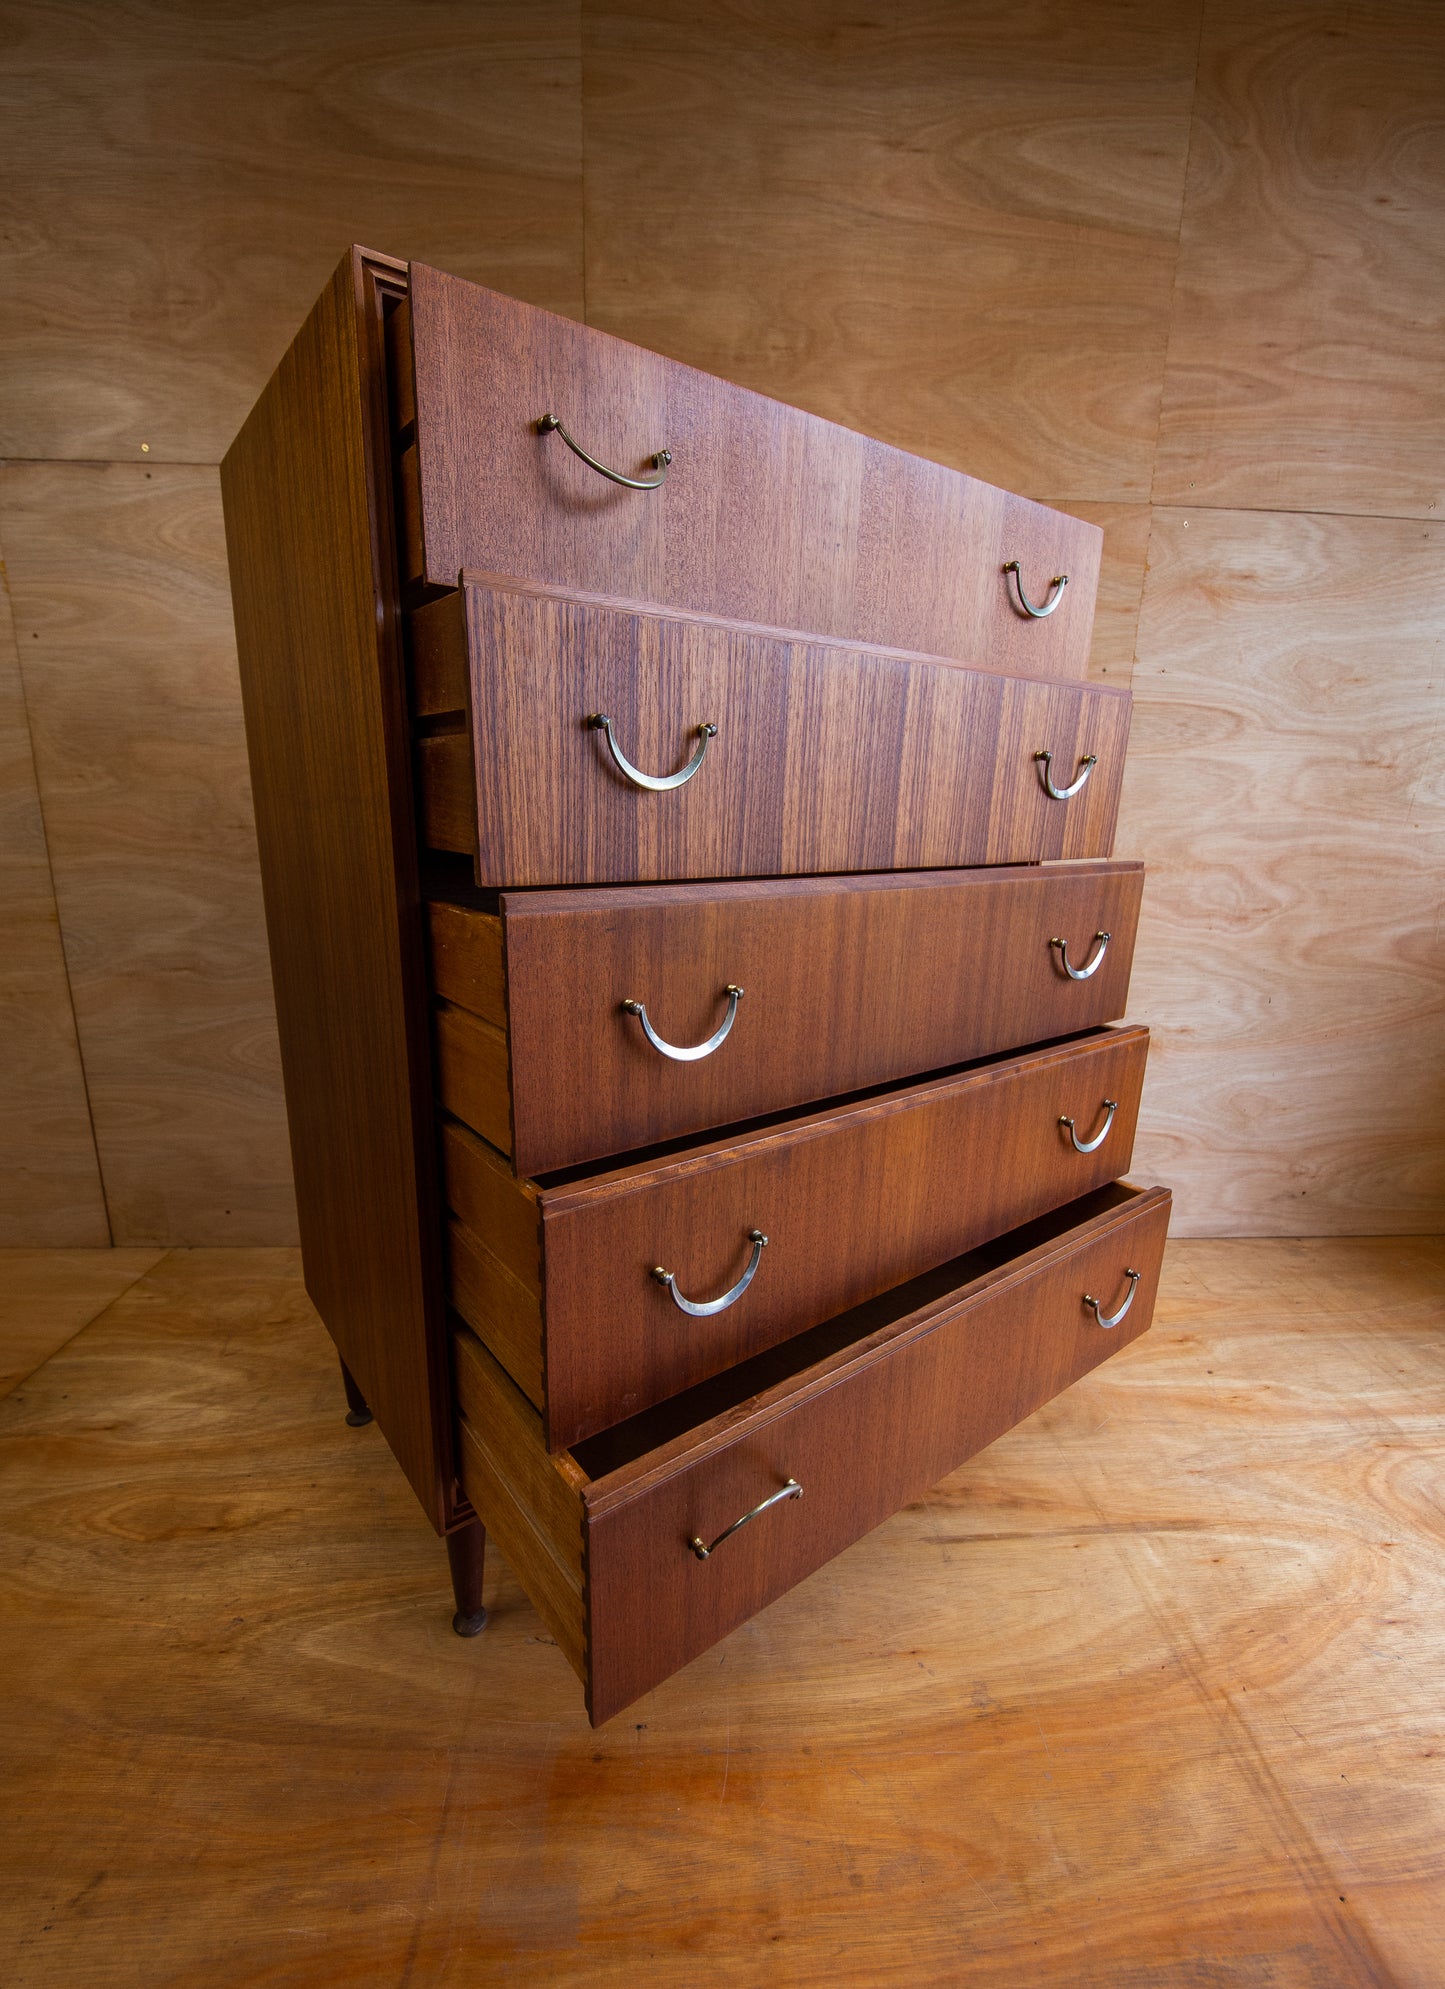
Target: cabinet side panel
{"points": [[325, 724]]}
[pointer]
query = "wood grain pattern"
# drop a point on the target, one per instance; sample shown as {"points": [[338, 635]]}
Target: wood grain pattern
{"points": [[768, 515], [1305, 371], [899, 1393], [534, 1501], [499, 1308], [853, 1201], [50, 1187], [321, 676], [496, 1204], [1286, 783], [825, 759], [472, 1073], [543, 1559], [847, 982], [464, 952], [933, 1384], [1122, 568], [950, 226], [178, 187], [47, 1296], [118, 581], [1139, 1692]]}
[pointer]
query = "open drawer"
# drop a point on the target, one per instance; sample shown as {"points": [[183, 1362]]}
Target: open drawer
{"points": [[776, 1466], [607, 1290], [760, 511], [566, 740], [575, 1024]]}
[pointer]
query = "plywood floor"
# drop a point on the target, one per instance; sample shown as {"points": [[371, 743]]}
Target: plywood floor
{"points": [[1148, 1696]]}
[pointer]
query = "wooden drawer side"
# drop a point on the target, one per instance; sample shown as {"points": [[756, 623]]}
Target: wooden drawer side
{"points": [[438, 641], [482, 1190], [467, 966], [473, 1075], [531, 1502], [498, 1308]]}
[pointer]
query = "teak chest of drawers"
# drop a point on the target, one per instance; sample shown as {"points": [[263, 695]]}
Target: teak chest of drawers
{"points": [[704, 1102]]}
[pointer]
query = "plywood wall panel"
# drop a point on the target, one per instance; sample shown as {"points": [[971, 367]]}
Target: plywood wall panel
{"points": [[1306, 367], [50, 1190], [950, 226], [1286, 781], [178, 182], [955, 226], [122, 614]]}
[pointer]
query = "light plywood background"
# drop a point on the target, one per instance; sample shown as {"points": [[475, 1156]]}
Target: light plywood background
{"points": [[1176, 269]]}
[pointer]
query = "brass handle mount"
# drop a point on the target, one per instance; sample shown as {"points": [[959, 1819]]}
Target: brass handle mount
{"points": [[653, 783], [1111, 1106], [1091, 966], [1103, 1317], [791, 1490], [1044, 762], [696, 1051], [548, 424], [705, 1307], [1056, 593]]}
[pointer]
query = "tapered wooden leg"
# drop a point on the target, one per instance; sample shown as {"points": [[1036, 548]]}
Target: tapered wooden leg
{"points": [[357, 1413], [467, 1551]]}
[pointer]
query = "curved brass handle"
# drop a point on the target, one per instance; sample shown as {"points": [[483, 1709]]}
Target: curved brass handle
{"points": [[666, 1049], [1056, 593], [600, 722], [791, 1490], [1111, 1106], [548, 422], [704, 1308], [1092, 965], [1133, 1277], [1045, 760]]}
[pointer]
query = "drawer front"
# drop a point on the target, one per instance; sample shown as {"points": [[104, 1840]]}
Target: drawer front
{"points": [[846, 983], [767, 514], [806, 758], [851, 1203], [862, 1439]]}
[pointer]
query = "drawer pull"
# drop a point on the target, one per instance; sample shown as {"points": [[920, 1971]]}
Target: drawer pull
{"points": [[705, 1308], [1111, 1106], [548, 422], [655, 784], [792, 1490], [681, 1056], [1091, 965], [1045, 760], [1133, 1277], [1056, 593]]}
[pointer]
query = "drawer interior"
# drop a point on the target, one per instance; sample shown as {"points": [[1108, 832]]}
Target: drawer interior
{"points": [[810, 1354]]}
